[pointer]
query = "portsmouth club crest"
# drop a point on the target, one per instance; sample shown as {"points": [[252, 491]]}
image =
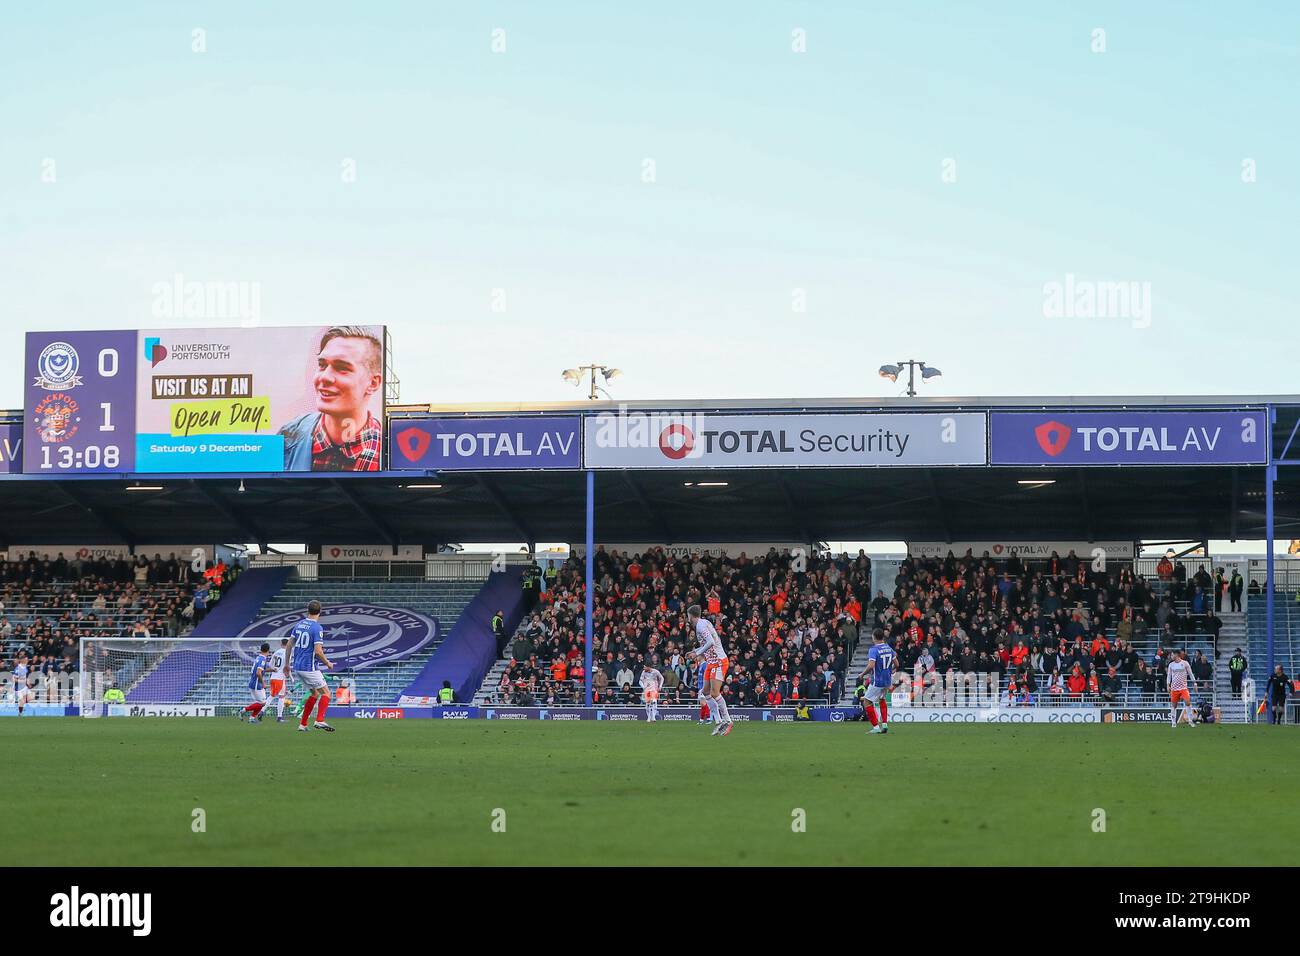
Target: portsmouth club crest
{"points": [[356, 635], [57, 417], [56, 367]]}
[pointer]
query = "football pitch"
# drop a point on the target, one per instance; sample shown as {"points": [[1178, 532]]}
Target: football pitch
{"points": [[119, 791]]}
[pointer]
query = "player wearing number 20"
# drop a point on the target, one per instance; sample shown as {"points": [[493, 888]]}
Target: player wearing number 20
{"points": [[308, 653]]}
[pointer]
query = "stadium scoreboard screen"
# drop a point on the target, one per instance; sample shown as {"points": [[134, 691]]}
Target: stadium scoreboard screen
{"points": [[205, 401]]}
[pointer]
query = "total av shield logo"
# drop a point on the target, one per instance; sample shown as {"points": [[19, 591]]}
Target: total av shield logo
{"points": [[1052, 437], [413, 443]]}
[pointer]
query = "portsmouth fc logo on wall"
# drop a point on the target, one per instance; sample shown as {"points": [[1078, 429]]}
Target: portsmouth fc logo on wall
{"points": [[356, 635], [56, 367]]}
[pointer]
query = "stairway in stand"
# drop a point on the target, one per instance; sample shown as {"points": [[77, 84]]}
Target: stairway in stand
{"points": [[1232, 709]]}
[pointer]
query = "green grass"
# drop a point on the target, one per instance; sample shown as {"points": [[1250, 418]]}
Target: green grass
{"points": [[120, 791]]}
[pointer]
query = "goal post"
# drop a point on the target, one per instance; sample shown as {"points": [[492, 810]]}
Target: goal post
{"points": [[188, 676]]}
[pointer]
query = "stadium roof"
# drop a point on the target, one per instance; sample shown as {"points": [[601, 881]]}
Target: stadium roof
{"points": [[940, 504], [897, 403]]}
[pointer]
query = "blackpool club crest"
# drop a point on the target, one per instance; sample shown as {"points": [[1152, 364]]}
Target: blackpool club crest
{"points": [[56, 418]]}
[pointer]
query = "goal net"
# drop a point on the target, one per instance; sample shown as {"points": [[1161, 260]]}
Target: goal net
{"points": [[183, 676]]}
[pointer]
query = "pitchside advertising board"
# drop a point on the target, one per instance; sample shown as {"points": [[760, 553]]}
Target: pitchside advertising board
{"points": [[975, 715], [1128, 438], [212, 400], [694, 441], [425, 707], [485, 444]]}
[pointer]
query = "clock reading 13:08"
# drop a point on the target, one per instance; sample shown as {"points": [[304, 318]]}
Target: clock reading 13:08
{"points": [[87, 459]]}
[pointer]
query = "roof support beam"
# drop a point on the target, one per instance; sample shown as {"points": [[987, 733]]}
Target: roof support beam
{"points": [[81, 501], [939, 508], [368, 513], [510, 513], [795, 511], [240, 521], [1086, 505], [653, 513], [1235, 504]]}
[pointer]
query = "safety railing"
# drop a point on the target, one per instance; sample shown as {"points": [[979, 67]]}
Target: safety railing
{"points": [[1286, 573]]}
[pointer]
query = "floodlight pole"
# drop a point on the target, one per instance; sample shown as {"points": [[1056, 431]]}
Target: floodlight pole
{"points": [[591, 370], [1270, 475], [912, 366], [589, 637]]}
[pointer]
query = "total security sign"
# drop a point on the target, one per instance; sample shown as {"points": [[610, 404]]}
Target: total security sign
{"points": [[872, 440], [1128, 438]]}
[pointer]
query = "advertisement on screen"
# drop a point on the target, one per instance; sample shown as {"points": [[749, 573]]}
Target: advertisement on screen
{"points": [[205, 400]]}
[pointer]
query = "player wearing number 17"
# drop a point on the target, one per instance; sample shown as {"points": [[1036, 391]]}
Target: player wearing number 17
{"points": [[308, 653], [257, 687], [880, 670]]}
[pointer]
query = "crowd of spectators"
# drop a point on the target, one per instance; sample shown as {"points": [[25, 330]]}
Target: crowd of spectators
{"points": [[1057, 627], [789, 622], [48, 605]]}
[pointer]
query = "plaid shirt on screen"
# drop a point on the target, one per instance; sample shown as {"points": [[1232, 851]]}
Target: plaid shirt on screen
{"points": [[360, 454]]}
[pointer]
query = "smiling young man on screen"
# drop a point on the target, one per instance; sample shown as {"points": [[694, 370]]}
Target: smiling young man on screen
{"points": [[342, 434]]}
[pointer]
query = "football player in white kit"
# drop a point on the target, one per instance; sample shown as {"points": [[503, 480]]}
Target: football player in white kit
{"points": [[709, 647], [1179, 677], [651, 683], [278, 681], [21, 689]]}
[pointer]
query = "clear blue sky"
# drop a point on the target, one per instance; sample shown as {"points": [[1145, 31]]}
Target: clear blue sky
{"points": [[776, 171]]}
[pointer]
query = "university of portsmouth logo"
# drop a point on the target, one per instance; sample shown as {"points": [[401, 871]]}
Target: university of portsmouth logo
{"points": [[413, 443], [356, 635], [1052, 437], [154, 351], [56, 367], [676, 442], [56, 418]]}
